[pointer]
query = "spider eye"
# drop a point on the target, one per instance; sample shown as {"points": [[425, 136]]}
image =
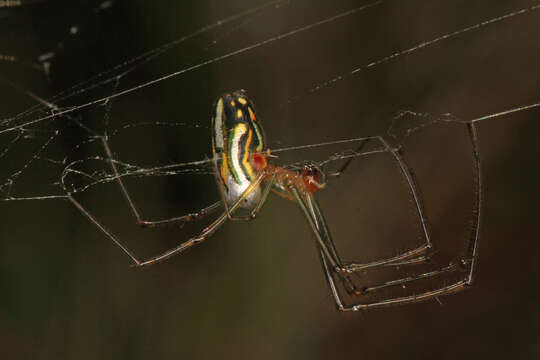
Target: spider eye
{"points": [[314, 177]]}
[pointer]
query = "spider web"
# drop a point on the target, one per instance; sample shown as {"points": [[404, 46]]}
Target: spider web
{"points": [[42, 125], [150, 105]]}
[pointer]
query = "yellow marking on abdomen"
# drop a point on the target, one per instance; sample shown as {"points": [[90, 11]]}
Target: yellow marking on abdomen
{"points": [[224, 168], [245, 159], [251, 114], [236, 157]]}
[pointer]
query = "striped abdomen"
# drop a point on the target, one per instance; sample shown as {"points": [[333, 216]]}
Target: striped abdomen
{"points": [[236, 136]]}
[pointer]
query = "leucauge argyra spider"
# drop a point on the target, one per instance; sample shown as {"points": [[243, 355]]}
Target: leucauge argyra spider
{"points": [[246, 175]]}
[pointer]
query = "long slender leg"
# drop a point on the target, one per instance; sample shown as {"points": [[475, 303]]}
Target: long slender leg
{"points": [[472, 247], [349, 160], [208, 231], [331, 282], [321, 226], [467, 263], [329, 274], [181, 219], [413, 256], [133, 208], [415, 194], [340, 303], [409, 279], [445, 290], [334, 261], [326, 245], [94, 221]]}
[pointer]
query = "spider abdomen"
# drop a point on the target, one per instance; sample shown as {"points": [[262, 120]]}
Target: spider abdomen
{"points": [[236, 136]]}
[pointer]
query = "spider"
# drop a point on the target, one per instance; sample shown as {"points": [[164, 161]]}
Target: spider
{"points": [[245, 176]]}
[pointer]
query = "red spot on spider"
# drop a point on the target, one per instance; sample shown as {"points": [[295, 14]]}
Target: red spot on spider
{"points": [[310, 184], [312, 181], [259, 161]]}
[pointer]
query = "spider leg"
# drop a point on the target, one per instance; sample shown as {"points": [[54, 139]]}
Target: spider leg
{"points": [[466, 264], [329, 251], [94, 221], [331, 282], [417, 254], [422, 259], [432, 294], [408, 279], [200, 214], [344, 167], [133, 208], [330, 275], [329, 254], [207, 232]]}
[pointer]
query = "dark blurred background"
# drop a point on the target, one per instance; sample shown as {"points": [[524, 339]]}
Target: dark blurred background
{"points": [[256, 290]]}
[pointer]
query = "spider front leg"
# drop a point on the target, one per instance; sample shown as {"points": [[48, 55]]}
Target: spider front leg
{"points": [[333, 268], [329, 255], [345, 166], [415, 255]]}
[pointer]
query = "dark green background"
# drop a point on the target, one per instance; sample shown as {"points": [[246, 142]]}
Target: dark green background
{"points": [[255, 290]]}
